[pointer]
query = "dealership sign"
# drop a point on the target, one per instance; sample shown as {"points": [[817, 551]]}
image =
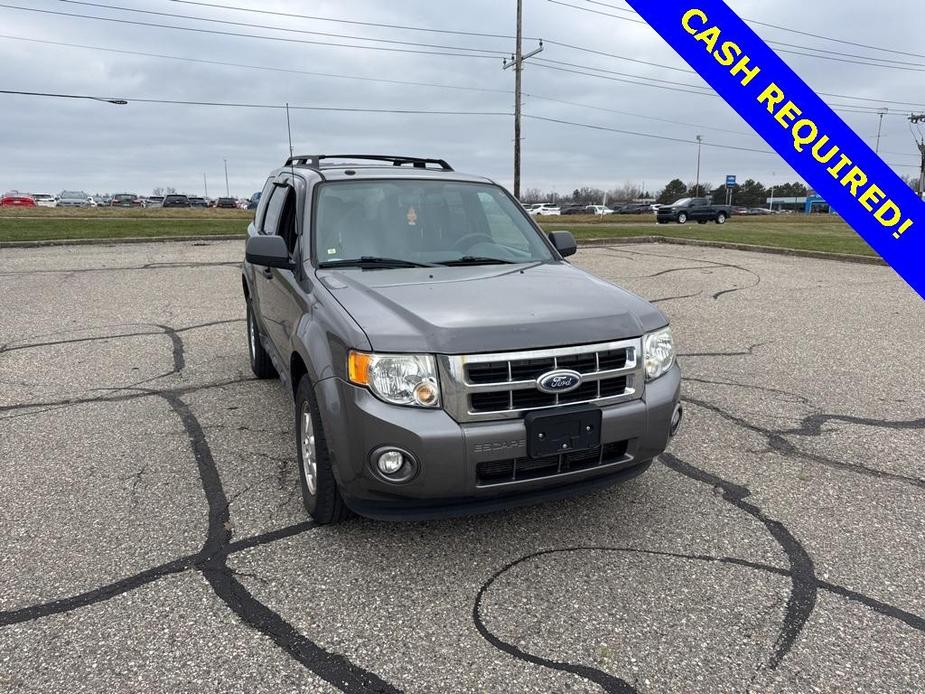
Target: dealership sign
{"points": [[799, 125]]}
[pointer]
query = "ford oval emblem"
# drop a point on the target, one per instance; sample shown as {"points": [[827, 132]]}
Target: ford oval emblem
{"points": [[563, 381]]}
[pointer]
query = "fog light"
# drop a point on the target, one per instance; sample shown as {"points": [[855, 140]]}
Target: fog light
{"points": [[676, 417], [390, 462]]}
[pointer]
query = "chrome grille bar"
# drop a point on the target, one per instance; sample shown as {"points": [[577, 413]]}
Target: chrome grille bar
{"points": [[460, 389]]}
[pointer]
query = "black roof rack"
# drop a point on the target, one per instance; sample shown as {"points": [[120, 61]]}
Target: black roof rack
{"points": [[314, 160]]}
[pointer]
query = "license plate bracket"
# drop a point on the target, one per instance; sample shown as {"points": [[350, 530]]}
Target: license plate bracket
{"points": [[561, 432]]}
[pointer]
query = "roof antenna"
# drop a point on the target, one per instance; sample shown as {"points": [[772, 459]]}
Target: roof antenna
{"points": [[289, 131]]}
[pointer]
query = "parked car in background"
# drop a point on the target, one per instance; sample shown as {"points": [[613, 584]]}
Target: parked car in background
{"points": [[545, 209], [44, 199], [73, 198], [740, 210], [760, 211], [125, 200], [634, 208], [254, 201], [699, 210], [153, 201], [176, 201], [16, 199], [572, 210], [196, 201], [226, 203], [599, 210]]}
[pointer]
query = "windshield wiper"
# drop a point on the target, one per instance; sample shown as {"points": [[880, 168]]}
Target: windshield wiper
{"points": [[476, 260], [369, 261]]}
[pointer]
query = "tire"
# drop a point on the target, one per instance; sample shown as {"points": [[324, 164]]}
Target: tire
{"points": [[721, 218], [260, 360], [320, 494], [682, 218]]}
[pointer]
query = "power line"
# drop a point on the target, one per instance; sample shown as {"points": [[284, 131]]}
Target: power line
{"points": [[350, 109], [640, 115], [648, 135], [402, 27], [847, 108], [549, 61], [623, 80], [793, 31], [614, 55], [495, 56], [221, 63], [832, 55], [408, 83], [273, 28]]}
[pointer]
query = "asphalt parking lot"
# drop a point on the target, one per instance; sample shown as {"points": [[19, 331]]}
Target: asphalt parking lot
{"points": [[154, 539]]}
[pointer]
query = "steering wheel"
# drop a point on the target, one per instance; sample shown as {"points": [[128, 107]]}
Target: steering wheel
{"points": [[470, 240]]}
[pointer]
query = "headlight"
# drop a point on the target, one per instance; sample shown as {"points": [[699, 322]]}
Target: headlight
{"points": [[400, 379], [658, 350]]}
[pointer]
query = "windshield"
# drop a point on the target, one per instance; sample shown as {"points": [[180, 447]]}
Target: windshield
{"points": [[683, 202], [423, 222], [70, 194]]}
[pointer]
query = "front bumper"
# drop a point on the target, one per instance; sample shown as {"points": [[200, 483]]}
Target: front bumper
{"points": [[449, 453]]}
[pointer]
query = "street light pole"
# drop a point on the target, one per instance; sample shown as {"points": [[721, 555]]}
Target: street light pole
{"points": [[699, 148], [227, 190]]}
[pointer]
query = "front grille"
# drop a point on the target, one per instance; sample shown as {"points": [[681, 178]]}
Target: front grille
{"points": [[520, 469], [504, 385], [531, 399]]}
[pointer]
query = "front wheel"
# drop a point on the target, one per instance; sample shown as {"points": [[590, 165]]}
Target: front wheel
{"points": [[260, 360], [682, 218], [721, 218], [320, 494]]}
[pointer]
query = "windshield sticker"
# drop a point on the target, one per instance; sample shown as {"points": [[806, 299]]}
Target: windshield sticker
{"points": [[412, 216]]}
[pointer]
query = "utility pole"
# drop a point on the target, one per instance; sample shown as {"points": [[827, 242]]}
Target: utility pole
{"points": [[205, 184], [880, 128], [227, 190], [517, 62], [915, 119], [699, 148]]}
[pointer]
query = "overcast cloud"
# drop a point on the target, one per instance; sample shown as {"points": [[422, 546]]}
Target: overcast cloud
{"points": [[49, 144]]}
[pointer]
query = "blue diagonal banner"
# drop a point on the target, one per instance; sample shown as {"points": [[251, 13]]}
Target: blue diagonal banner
{"points": [[799, 125]]}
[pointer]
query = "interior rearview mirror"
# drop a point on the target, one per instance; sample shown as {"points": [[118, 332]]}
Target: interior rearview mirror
{"points": [[268, 251], [564, 242]]}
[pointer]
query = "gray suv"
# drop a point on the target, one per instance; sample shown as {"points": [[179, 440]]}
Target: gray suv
{"points": [[443, 356]]}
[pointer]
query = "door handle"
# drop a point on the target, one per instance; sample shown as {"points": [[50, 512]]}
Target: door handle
{"points": [[268, 273]]}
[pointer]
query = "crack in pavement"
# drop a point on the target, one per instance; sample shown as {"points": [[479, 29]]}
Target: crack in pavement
{"points": [[779, 444], [800, 603], [707, 265], [15, 346], [130, 268]]}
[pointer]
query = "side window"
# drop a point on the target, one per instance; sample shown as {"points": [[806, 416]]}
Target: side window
{"points": [[262, 205], [287, 225], [274, 211]]}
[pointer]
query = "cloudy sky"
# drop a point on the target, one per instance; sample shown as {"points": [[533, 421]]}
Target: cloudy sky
{"points": [[52, 144]]}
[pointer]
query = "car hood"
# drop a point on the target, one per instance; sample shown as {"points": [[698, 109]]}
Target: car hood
{"points": [[459, 310]]}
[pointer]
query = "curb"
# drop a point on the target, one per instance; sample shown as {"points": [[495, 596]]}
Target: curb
{"points": [[772, 250], [584, 243], [131, 239]]}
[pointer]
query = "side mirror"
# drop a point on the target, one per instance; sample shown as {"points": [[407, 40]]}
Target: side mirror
{"points": [[268, 251], [564, 242]]}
